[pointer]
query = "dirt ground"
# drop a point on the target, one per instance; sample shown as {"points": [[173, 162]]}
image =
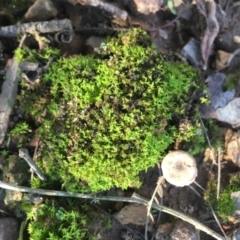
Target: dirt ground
{"points": [[204, 34]]}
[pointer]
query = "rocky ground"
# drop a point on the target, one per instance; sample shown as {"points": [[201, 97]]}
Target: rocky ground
{"points": [[206, 34]]}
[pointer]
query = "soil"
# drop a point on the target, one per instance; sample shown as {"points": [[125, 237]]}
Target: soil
{"points": [[171, 28]]}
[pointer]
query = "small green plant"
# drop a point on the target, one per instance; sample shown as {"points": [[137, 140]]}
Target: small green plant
{"points": [[99, 114], [225, 205], [25, 54], [57, 220], [190, 136], [20, 129]]}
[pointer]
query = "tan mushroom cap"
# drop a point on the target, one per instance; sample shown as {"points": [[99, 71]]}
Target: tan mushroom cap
{"points": [[179, 168]]}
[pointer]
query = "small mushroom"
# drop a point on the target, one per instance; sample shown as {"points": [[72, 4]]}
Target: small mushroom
{"points": [[179, 168]]}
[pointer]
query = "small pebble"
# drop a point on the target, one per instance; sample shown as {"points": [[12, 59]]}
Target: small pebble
{"points": [[236, 39]]}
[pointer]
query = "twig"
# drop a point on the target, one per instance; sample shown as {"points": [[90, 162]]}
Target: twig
{"points": [[202, 188], [195, 191], [23, 153], [208, 9], [219, 172], [149, 205], [133, 199], [8, 96], [9, 93], [219, 225], [22, 40], [117, 14], [33, 27], [21, 230], [160, 193]]}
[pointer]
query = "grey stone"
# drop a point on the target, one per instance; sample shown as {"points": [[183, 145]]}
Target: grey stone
{"points": [[8, 229]]}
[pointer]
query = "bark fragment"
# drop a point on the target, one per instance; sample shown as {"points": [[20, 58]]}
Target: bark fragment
{"points": [[8, 96]]}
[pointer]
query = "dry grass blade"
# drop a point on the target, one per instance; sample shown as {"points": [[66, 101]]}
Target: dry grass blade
{"points": [[149, 205], [119, 15], [232, 56], [219, 172], [23, 153], [214, 215], [209, 143]]}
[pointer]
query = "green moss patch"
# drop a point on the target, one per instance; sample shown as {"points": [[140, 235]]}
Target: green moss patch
{"points": [[102, 117]]}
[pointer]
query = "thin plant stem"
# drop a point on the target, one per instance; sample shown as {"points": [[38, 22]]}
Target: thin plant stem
{"points": [[149, 205], [233, 55], [208, 140], [202, 188], [133, 199], [217, 220], [160, 195], [21, 230], [195, 191], [219, 172]]}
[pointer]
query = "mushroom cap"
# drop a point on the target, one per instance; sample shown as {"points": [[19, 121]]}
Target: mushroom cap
{"points": [[179, 168]]}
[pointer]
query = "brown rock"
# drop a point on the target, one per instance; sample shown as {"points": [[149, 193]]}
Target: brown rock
{"points": [[221, 59], [232, 141], [133, 213], [163, 231], [184, 231], [41, 10], [8, 229], [144, 6]]}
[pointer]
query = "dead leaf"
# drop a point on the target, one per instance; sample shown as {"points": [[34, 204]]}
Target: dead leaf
{"points": [[8, 96], [218, 98], [230, 113]]}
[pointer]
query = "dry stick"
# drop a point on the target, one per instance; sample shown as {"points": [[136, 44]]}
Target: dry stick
{"points": [[149, 205], [202, 188], [117, 13], [33, 27], [219, 173], [133, 199], [8, 96], [208, 9], [183, 217], [23, 153], [194, 190], [160, 193]]}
